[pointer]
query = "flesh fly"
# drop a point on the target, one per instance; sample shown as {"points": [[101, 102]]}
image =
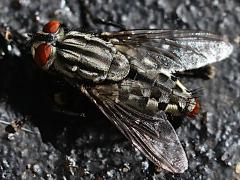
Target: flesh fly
{"points": [[129, 76]]}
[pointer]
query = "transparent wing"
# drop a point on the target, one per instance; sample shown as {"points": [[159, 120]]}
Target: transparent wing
{"points": [[175, 50], [154, 136]]}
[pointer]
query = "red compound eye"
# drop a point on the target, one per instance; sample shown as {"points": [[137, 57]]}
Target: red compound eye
{"points": [[51, 27], [42, 54], [195, 110]]}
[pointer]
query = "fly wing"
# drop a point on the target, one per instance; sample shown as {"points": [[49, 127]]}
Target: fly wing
{"points": [[175, 50], [154, 136]]}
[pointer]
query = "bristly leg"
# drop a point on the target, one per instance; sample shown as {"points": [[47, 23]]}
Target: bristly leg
{"points": [[16, 125], [206, 72], [86, 14], [62, 101]]}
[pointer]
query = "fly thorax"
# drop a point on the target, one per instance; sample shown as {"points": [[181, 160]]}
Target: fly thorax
{"points": [[84, 56], [119, 68]]}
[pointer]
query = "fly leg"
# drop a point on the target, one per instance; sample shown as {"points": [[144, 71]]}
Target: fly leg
{"points": [[16, 125], [67, 112], [65, 104], [86, 14], [206, 72]]}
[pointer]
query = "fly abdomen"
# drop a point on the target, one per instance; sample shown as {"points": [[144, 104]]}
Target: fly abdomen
{"points": [[151, 105], [151, 98], [82, 57]]}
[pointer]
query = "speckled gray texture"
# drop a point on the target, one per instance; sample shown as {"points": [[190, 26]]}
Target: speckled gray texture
{"points": [[89, 147]]}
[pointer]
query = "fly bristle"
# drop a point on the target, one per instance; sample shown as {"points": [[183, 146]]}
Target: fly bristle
{"points": [[197, 93]]}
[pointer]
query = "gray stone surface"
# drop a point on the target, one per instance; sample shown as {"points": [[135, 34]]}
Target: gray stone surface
{"points": [[89, 146]]}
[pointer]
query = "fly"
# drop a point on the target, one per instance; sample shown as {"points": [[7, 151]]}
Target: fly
{"points": [[129, 76]]}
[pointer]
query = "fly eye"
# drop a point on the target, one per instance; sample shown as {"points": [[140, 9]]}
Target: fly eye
{"points": [[42, 54], [51, 27]]}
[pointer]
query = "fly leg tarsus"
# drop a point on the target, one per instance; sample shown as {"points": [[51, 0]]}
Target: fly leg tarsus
{"points": [[87, 14], [16, 125], [65, 104], [206, 72], [68, 112]]}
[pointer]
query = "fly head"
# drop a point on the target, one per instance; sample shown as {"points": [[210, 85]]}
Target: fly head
{"points": [[43, 44]]}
